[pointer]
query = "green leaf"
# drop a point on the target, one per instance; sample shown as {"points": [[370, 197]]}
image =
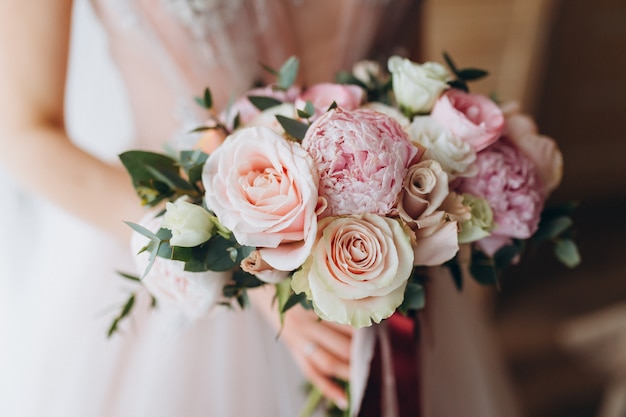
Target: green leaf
{"points": [[292, 301], [567, 252], [332, 106], [206, 100], [483, 269], [505, 256], [193, 163], [173, 180], [414, 298], [294, 128], [269, 69], [141, 166], [459, 85], [181, 254], [450, 62], [553, 228], [264, 103], [126, 309], [237, 121], [344, 77], [128, 276], [288, 73], [471, 74], [307, 112], [455, 272], [143, 231]]}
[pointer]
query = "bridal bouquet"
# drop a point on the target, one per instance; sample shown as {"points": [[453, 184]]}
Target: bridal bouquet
{"points": [[338, 193]]}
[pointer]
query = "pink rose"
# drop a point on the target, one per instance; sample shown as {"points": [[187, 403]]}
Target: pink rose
{"points": [[264, 189], [472, 117], [507, 180], [247, 111], [193, 294], [362, 157], [420, 204], [358, 269], [348, 97], [541, 150]]}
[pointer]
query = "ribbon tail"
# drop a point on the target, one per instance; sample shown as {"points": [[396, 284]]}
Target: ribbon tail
{"points": [[389, 396], [361, 354]]}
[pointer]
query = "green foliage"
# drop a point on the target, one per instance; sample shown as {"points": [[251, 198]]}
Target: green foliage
{"points": [[307, 112], [192, 163], [566, 251], [556, 227], [206, 101], [294, 128], [487, 270], [124, 313], [264, 103], [463, 75], [238, 286], [156, 177], [455, 272], [288, 73], [414, 298]]}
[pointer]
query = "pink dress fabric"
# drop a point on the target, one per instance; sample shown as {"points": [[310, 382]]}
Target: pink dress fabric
{"points": [[135, 66]]}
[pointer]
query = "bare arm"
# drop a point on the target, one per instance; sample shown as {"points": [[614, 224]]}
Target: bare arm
{"points": [[36, 150]]}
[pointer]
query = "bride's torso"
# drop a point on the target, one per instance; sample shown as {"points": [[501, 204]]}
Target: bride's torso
{"points": [[168, 51]]}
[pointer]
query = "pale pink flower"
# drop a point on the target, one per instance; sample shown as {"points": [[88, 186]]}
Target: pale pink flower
{"points": [[348, 97], [541, 150], [358, 269], [507, 180], [472, 117], [247, 111], [362, 157], [264, 189]]}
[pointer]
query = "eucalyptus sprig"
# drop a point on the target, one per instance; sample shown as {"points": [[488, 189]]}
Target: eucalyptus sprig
{"points": [[463, 75]]}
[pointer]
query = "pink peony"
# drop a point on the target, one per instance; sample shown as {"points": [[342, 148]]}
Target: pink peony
{"points": [[472, 117], [348, 97], [362, 157], [264, 189], [507, 180], [247, 111]]}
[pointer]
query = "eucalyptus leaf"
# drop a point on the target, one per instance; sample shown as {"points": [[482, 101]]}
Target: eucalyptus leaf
{"points": [[459, 85], [455, 272], [567, 252], [128, 276], [181, 254], [483, 269], [292, 301], [125, 311], [309, 108], [553, 228], [414, 298], [472, 74], [237, 121], [288, 73], [332, 106], [143, 231], [505, 256], [206, 100], [450, 63], [263, 102], [173, 180], [294, 128], [344, 77]]}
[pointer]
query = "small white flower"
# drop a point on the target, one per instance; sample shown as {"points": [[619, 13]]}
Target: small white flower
{"points": [[416, 86], [455, 155], [190, 224]]}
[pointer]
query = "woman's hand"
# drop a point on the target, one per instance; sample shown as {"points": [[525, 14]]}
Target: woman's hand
{"points": [[321, 349]]}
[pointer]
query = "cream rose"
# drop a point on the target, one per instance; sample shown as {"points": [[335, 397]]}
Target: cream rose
{"points": [[416, 86], [455, 155], [358, 269], [264, 189], [388, 111], [189, 223], [424, 191]]}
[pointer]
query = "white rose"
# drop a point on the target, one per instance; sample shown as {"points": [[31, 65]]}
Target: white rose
{"points": [[455, 155], [480, 224], [267, 118], [415, 86], [368, 72], [358, 269], [190, 224], [389, 111]]}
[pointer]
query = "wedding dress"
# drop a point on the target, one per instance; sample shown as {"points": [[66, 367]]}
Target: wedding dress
{"points": [[135, 66]]}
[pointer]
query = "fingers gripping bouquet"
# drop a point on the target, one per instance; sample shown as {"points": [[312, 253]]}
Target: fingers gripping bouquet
{"points": [[339, 192]]}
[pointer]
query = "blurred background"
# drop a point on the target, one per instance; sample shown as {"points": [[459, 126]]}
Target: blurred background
{"points": [[562, 331]]}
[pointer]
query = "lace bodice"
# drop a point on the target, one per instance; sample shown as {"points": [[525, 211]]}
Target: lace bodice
{"points": [[170, 50]]}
